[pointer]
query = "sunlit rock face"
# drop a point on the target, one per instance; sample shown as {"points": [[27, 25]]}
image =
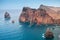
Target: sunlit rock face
{"points": [[48, 34], [42, 15], [7, 16]]}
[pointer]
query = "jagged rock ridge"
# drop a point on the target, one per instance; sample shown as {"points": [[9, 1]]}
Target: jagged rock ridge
{"points": [[42, 15]]}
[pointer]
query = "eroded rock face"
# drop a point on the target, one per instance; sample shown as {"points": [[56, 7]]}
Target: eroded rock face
{"points": [[42, 15], [48, 34], [7, 15]]}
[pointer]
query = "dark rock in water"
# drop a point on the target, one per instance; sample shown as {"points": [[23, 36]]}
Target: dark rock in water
{"points": [[48, 34], [13, 21], [7, 16], [53, 28]]}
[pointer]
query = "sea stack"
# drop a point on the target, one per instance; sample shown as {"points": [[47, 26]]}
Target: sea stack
{"points": [[48, 34], [7, 16]]}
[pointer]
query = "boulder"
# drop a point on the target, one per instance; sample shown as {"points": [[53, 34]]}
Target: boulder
{"points": [[13, 21], [7, 15], [48, 34]]}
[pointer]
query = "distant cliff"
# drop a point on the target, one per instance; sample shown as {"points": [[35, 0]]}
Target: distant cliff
{"points": [[42, 15]]}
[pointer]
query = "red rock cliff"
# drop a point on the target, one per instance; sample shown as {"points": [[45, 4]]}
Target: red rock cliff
{"points": [[42, 15]]}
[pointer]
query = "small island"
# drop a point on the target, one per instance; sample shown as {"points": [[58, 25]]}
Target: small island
{"points": [[7, 16], [49, 34]]}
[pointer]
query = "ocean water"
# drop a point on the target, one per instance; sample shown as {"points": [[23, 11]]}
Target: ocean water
{"points": [[17, 31]]}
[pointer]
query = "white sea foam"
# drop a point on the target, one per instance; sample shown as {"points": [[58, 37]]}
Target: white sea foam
{"points": [[43, 36]]}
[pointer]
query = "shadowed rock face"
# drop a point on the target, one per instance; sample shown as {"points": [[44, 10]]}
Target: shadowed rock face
{"points": [[42, 15]]}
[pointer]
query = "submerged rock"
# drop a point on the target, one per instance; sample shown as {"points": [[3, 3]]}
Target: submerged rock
{"points": [[7, 16], [48, 34]]}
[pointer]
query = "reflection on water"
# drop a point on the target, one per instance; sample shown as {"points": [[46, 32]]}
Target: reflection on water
{"points": [[16, 31]]}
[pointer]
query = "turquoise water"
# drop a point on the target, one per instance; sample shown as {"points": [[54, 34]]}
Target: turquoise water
{"points": [[16, 31]]}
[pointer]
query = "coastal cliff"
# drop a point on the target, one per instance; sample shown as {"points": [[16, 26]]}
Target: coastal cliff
{"points": [[42, 15]]}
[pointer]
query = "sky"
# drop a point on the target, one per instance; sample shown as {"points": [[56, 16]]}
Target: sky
{"points": [[19, 4]]}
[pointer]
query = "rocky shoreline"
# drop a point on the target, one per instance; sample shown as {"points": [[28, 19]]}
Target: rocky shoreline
{"points": [[42, 15]]}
